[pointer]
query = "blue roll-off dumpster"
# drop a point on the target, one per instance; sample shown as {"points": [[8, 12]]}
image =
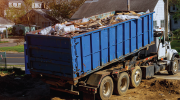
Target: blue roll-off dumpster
{"points": [[71, 58]]}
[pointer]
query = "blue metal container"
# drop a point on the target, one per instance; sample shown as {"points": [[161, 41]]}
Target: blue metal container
{"points": [[26, 59], [78, 56]]}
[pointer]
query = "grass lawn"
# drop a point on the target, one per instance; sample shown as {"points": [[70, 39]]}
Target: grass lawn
{"points": [[3, 41], [175, 44], [19, 48]]}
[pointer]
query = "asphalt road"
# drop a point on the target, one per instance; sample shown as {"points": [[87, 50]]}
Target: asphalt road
{"points": [[18, 59], [15, 58]]}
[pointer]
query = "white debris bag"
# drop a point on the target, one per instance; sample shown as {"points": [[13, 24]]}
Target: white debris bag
{"points": [[148, 11], [134, 17], [124, 17], [68, 29], [85, 20], [47, 30], [59, 27]]}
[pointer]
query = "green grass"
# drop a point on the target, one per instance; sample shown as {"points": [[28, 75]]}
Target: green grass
{"points": [[19, 48], [18, 71], [175, 44], [17, 65], [3, 41]]}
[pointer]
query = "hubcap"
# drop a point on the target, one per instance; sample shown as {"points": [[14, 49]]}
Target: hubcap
{"points": [[123, 84], [175, 66], [137, 76], [106, 89]]}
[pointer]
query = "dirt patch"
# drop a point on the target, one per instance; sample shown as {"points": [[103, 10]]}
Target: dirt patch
{"points": [[27, 88], [23, 88], [153, 89]]}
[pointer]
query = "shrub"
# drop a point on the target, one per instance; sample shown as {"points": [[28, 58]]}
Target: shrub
{"points": [[177, 33]]}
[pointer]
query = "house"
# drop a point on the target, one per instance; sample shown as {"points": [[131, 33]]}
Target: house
{"points": [[21, 29], [174, 23], [17, 4], [94, 7], [4, 23], [38, 5], [40, 18]]}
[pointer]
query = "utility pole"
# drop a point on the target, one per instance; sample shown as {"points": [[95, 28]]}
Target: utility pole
{"points": [[166, 19], [6, 33], [128, 5]]}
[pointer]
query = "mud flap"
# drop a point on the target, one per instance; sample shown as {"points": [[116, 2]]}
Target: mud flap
{"points": [[88, 96]]}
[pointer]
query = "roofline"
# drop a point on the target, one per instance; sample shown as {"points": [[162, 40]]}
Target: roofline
{"points": [[43, 16]]}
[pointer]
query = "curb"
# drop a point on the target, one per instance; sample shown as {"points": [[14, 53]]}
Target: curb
{"points": [[11, 52]]}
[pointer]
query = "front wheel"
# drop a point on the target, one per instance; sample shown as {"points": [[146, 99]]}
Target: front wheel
{"points": [[106, 88], [174, 67]]}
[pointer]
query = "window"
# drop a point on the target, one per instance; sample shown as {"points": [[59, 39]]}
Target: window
{"points": [[175, 21], [162, 23], [154, 24], [39, 5], [19, 4], [174, 7], [15, 4], [10, 4]]}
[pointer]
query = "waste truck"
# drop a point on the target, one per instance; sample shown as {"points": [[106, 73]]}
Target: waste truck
{"points": [[100, 55]]}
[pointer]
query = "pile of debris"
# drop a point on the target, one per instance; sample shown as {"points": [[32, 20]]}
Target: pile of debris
{"points": [[87, 24]]}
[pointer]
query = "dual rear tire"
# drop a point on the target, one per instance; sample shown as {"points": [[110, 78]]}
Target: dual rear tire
{"points": [[106, 88], [120, 84]]}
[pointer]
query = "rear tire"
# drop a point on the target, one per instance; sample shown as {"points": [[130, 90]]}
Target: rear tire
{"points": [[136, 77], [121, 84], [106, 88], [174, 67]]}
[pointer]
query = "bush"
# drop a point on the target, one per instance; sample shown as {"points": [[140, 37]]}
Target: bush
{"points": [[10, 30], [177, 33]]}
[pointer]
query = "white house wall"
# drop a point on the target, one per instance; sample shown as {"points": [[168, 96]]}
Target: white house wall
{"points": [[159, 15], [2, 29], [36, 5]]}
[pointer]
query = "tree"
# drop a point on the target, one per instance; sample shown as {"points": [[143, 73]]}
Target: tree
{"points": [[64, 9], [28, 7], [177, 4], [3, 6], [16, 14]]}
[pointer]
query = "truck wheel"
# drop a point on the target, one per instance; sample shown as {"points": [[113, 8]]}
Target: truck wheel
{"points": [[174, 67], [106, 88], [136, 77], [121, 84]]}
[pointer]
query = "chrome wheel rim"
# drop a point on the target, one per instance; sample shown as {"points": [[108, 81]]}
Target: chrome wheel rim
{"points": [[137, 76], [175, 66]]}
